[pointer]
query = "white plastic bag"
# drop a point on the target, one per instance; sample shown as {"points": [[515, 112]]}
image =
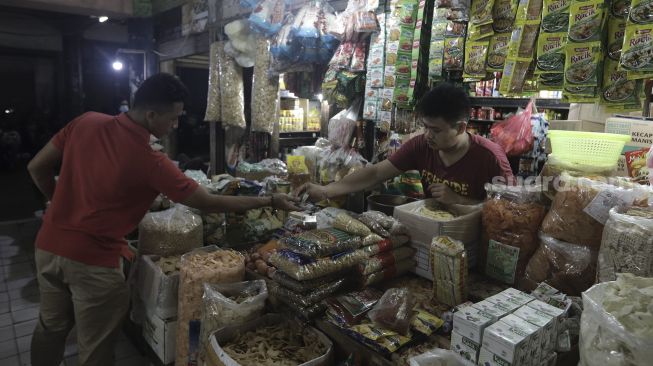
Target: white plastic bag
{"points": [[436, 357], [170, 232], [604, 339]]}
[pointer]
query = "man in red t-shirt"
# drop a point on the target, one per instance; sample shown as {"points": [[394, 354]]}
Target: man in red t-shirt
{"points": [[454, 164], [109, 177]]}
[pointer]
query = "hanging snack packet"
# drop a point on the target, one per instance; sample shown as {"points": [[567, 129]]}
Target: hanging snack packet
{"points": [[529, 10], [617, 91], [555, 16], [475, 58], [498, 51], [619, 8], [522, 40], [586, 21], [481, 12], [637, 48], [479, 32], [503, 15], [454, 53], [551, 53], [616, 33], [581, 64], [514, 75]]}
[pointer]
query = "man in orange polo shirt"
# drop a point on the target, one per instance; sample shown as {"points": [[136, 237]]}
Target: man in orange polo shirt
{"points": [[109, 177]]}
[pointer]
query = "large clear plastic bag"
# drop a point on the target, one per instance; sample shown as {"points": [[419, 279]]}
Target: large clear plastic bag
{"points": [[384, 260], [627, 245], [617, 323], [322, 242], [554, 167], [515, 134], [337, 164], [568, 267], [394, 310], [170, 232], [213, 103], [511, 218], [265, 90], [350, 225], [233, 95], [436, 357], [302, 268], [230, 304], [204, 265], [343, 124]]}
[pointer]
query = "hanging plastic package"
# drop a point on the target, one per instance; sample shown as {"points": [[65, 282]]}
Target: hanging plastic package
{"points": [[267, 16], [515, 134], [233, 95], [265, 90], [213, 103]]}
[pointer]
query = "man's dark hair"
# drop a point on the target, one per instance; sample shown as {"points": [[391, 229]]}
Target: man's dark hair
{"points": [[445, 101], [160, 92]]}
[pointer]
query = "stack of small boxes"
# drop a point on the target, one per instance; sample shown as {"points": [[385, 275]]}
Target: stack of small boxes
{"points": [[508, 329]]}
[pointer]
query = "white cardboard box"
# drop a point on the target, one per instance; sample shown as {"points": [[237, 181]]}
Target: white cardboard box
{"points": [[504, 303], [517, 297], [491, 310], [470, 322], [464, 347], [502, 341], [640, 131], [157, 290], [487, 358], [557, 314], [160, 335], [519, 326], [545, 322]]}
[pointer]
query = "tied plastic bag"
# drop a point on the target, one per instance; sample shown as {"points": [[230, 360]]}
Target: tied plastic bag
{"points": [[265, 90], [233, 95], [301, 267], [436, 357], [567, 267], [627, 245], [554, 168], [515, 134], [230, 304], [170, 232], [616, 328], [350, 225], [342, 125], [213, 103], [322, 242], [512, 216], [394, 310], [267, 16]]}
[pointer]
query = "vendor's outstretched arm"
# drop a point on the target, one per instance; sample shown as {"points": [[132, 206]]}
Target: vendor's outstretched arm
{"points": [[359, 180], [202, 200]]}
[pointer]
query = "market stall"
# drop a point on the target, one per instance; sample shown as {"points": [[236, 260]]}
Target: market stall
{"points": [[537, 274]]}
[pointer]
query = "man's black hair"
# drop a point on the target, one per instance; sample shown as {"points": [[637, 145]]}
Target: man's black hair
{"points": [[160, 92], [445, 101]]}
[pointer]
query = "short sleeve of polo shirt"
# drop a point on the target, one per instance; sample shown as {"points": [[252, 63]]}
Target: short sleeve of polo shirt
{"points": [[60, 138], [169, 180], [406, 157]]}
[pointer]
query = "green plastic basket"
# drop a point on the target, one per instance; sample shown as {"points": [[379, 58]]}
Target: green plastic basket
{"points": [[587, 148]]}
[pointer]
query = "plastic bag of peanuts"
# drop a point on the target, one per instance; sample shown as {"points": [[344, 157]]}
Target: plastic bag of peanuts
{"points": [[204, 265]]}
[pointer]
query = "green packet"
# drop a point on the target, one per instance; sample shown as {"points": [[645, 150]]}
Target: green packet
{"points": [[522, 40], [479, 32], [616, 33], [571, 98], [503, 15], [581, 91], [581, 61], [475, 58], [454, 53], [550, 81], [586, 21], [640, 12], [481, 12], [619, 8], [551, 53], [498, 51], [514, 75], [555, 16], [529, 10], [616, 88], [637, 48]]}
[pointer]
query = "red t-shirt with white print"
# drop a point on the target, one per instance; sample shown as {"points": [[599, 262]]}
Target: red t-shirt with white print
{"points": [[484, 161]]}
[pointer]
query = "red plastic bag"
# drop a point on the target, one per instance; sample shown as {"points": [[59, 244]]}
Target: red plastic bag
{"points": [[515, 134]]}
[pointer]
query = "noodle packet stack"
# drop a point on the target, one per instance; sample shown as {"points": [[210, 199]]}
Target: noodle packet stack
{"points": [[449, 266]]}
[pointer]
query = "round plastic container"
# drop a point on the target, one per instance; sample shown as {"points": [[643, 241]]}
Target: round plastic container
{"points": [[587, 148]]}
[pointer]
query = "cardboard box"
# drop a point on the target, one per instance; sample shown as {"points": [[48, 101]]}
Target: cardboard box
{"points": [[487, 358], [545, 322], [519, 326], [504, 303], [160, 335], [465, 227], [513, 346], [491, 310], [517, 297], [158, 291], [470, 322], [576, 125], [464, 347], [557, 314], [640, 131]]}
